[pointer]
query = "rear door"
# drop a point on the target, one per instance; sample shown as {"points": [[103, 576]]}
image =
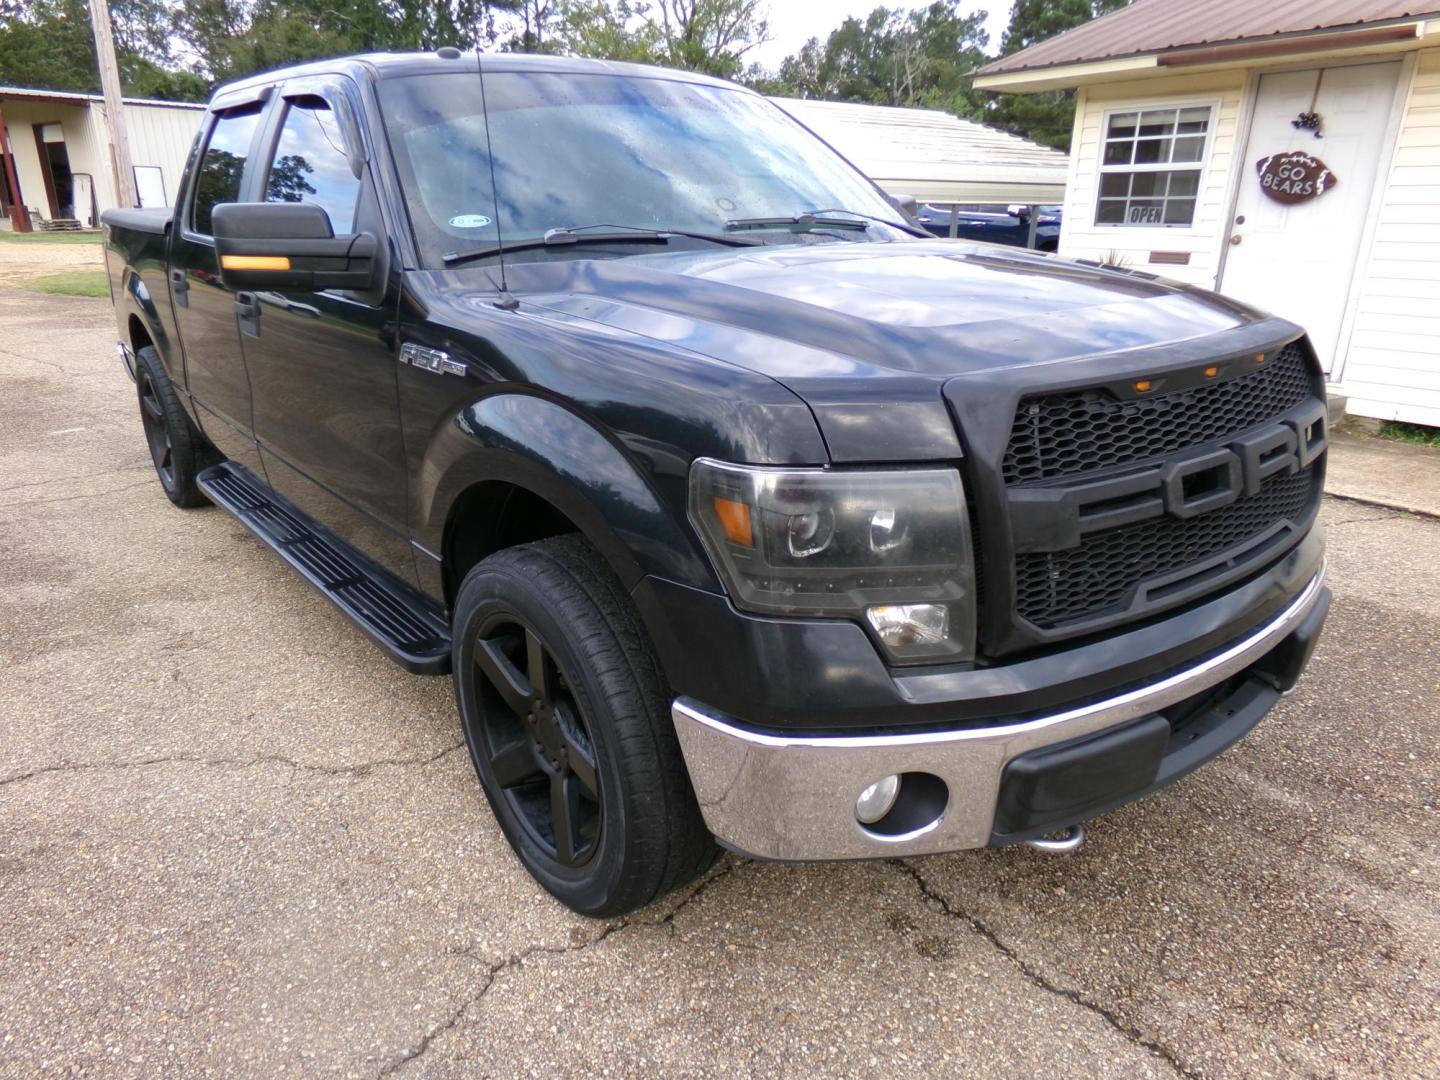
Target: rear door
{"points": [[322, 364], [204, 308]]}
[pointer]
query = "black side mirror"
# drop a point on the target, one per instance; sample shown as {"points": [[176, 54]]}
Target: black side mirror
{"points": [[290, 246]]}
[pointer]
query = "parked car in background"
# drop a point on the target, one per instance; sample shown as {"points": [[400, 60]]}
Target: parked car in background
{"points": [[1011, 226]]}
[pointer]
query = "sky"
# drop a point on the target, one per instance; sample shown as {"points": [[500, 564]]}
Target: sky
{"points": [[794, 22]]}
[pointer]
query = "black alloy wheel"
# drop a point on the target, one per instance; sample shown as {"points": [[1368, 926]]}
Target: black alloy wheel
{"points": [[177, 448], [540, 750], [157, 433], [567, 717]]}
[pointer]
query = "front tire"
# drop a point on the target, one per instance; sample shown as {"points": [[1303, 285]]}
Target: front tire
{"points": [[567, 719], [177, 449]]}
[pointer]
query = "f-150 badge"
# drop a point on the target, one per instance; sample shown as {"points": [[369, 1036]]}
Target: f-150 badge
{"points": [[433, 360]]}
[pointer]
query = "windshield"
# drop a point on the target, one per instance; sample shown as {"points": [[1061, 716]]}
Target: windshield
{"points": [[580, 150]]}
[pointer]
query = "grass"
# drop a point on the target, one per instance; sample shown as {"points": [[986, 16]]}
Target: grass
{"points": [[1416, 434], [69, 283], [8, 236]]}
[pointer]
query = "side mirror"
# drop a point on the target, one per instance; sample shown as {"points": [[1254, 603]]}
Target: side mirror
{"points": [[1018, 210], [290, 246], [906, 204]]}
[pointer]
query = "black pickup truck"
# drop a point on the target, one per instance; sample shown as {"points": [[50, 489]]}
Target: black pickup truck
{"points": [[739, 508]]}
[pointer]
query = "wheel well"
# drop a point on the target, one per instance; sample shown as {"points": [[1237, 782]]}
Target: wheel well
{"points": [[139, 336], [489, 517]]}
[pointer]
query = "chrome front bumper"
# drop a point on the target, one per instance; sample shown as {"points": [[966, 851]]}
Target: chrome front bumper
{"points": [[793, 797]]}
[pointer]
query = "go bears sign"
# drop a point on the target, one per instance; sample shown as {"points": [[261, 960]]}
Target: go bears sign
{"points": [[1294, 177]]}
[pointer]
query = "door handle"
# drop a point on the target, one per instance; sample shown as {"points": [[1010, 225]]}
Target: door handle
{"points": [[179, 288], [1235, 239], [247, 313]]}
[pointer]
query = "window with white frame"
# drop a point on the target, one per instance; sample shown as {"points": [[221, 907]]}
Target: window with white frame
{"points": [[1150, 165]]}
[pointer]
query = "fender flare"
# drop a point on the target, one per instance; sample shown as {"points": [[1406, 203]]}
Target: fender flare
{"points": [[556, 454], [138, 302]]}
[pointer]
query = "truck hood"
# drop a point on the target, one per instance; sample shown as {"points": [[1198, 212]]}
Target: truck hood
{"points": [[852, 326]]}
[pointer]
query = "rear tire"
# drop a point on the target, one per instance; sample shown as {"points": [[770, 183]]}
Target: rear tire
{"points": [[177, 448], [568, 722]]}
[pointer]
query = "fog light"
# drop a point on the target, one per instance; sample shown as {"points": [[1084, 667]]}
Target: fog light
{"points": [[877, 799], [900, 625]]}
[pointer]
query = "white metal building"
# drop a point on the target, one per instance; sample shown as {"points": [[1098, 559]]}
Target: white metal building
{"points": [[933, 156], [54, 150], [1195, 156]]}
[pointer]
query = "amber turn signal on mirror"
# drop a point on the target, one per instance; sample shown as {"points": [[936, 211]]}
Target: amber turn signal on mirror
{"points": [[254, 262]]}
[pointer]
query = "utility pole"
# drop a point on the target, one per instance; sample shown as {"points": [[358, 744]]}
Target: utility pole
{"points": [[114, 108]]}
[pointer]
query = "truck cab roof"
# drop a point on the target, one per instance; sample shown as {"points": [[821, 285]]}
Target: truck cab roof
{"points": [[391, 65]]}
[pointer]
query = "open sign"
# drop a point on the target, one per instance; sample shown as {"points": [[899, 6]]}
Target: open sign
{"points": [[1294, 177]]}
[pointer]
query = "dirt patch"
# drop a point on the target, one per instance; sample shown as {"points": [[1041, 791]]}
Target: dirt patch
{"points": [[19, 262]]}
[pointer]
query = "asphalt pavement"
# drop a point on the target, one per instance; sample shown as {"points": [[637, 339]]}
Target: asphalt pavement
{"points": [[235, 840]]}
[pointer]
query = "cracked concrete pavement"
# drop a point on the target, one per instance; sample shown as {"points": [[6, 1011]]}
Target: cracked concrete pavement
{"points": [[235, 840]]}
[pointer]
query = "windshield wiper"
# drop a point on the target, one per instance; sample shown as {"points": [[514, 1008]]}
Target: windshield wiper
{"points": [[564, 235], [813, 219], [797, 222]]}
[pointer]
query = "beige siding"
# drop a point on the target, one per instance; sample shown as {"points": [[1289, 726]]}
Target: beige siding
{"points": [[1392, 367], [1082, 238], [161, 136], [22, 119]]}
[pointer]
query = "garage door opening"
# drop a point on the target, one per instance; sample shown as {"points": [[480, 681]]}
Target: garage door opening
{"points": [[55, 166]]}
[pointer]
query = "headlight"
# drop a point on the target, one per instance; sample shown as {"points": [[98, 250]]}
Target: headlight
{"points": [[889, 548]]}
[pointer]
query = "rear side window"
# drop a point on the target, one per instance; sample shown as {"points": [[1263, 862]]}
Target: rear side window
{"points": [[310, 165], [222, 164]]}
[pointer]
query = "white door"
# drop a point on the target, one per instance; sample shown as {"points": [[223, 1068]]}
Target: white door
{"points": [[1297, 260]]}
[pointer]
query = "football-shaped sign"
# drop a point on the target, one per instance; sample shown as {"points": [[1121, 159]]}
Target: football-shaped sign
{"points": [[1294, 177]]}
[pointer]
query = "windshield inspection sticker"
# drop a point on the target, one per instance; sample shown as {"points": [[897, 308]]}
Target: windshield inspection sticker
{"points": [[470, 221]]}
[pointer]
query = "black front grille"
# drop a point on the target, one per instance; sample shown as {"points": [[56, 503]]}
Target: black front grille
{"points": [[1099, 577], [1062, 434]]}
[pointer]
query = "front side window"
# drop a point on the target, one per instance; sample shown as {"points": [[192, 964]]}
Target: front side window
{"points": [[580, 149], [1151, 164], [310, 165], [218, 180]]}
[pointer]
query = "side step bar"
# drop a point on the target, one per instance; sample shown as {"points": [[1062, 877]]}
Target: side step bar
{"points": [[400, 619]]}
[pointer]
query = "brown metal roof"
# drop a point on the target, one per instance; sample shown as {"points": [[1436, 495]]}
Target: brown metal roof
{"points": [[1154, 26]]}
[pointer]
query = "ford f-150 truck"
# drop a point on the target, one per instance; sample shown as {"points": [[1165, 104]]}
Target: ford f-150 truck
{"points": [[738, 508]]}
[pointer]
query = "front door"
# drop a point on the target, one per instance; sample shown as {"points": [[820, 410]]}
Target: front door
{"points": [[1296, 260], [204, 308], [322, 364]]}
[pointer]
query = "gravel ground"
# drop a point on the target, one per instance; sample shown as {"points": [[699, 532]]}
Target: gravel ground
{"points": [[234, 839]]}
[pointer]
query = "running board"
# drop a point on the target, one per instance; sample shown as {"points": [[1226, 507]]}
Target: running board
{"points": [[399, 618]]}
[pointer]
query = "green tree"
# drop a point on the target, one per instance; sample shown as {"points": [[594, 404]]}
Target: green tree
{"points": [[712, 36], [615, 30], [893, 57], [233, 38], [49, 44], [1046, 117]]}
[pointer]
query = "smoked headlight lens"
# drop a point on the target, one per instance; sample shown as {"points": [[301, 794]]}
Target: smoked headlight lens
{"points": [[888, 548]]}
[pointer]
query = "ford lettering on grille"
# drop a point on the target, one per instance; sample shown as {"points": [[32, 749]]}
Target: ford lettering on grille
{"points": [[1184, 486]]}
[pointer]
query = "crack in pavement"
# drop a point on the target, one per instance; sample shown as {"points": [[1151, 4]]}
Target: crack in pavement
{"points": [[1394, 515], [52, 481], [1131, 1033], [496, 968], [27, 504], [362, 769], [1381, 504]]}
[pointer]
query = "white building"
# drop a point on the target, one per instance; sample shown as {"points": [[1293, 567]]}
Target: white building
{"points": [[933, 156], [1195, 156], [54, 151]]}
